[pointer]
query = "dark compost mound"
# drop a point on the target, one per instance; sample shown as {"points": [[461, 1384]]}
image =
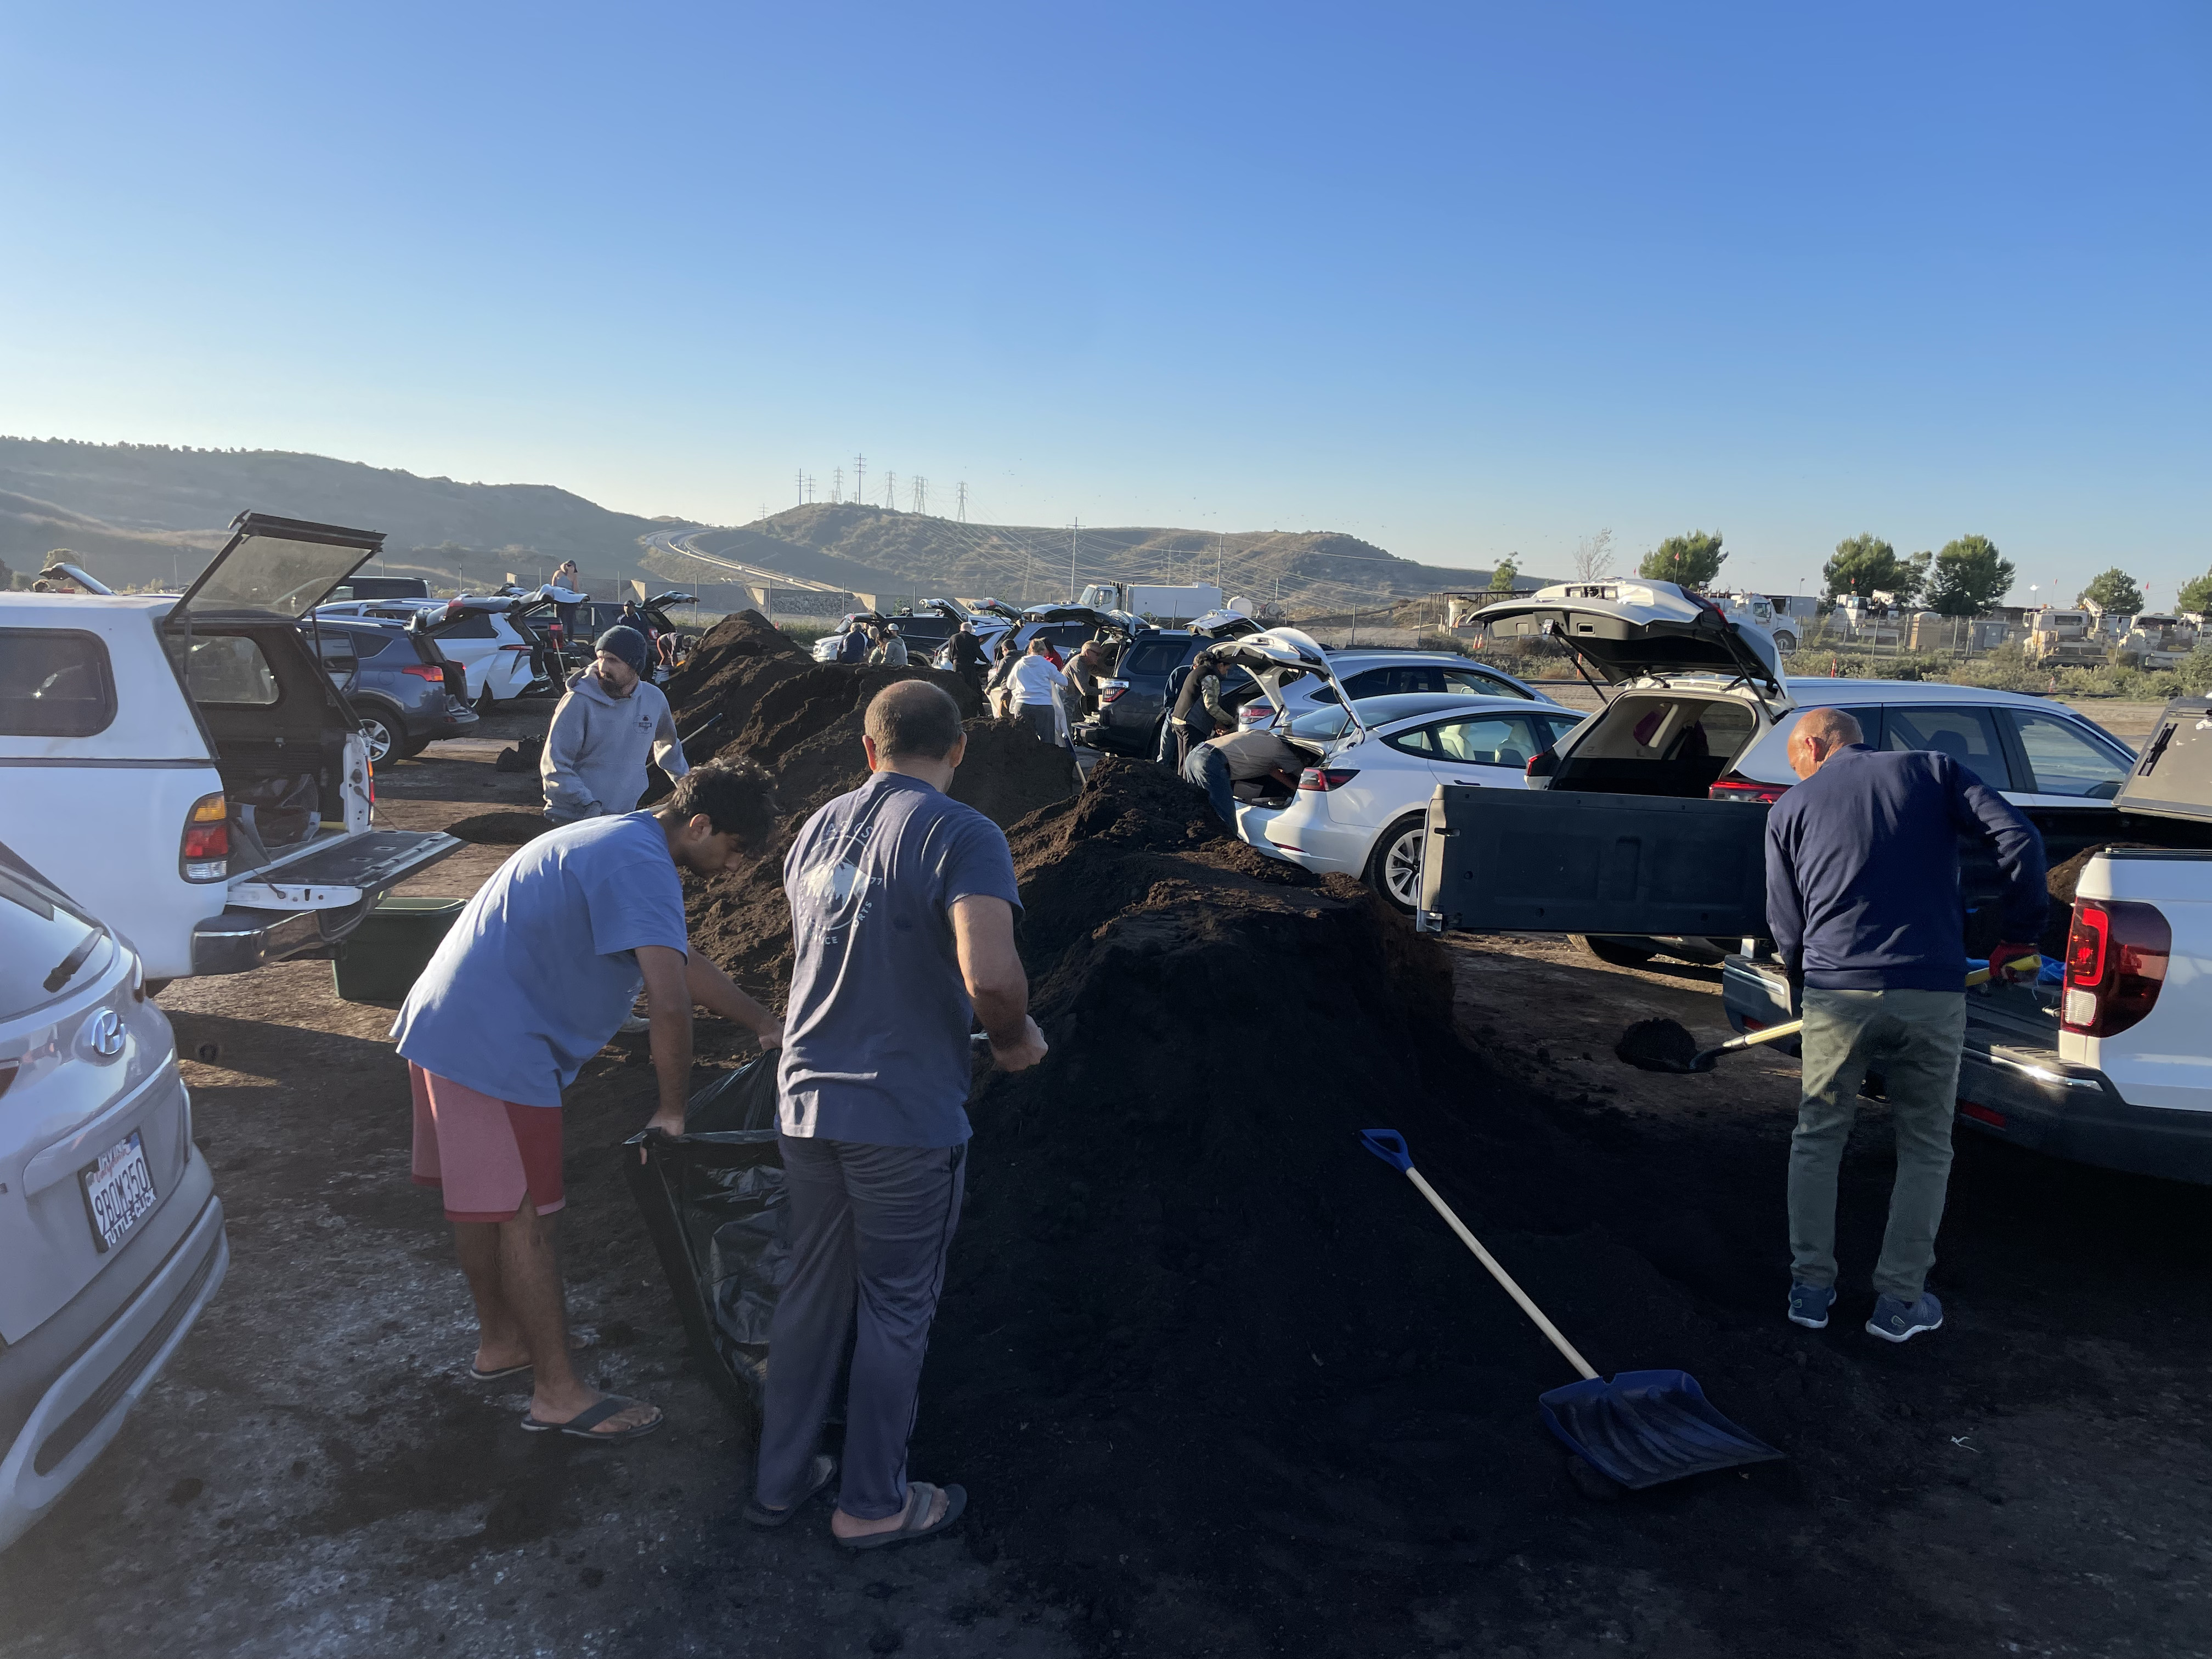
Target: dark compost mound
{"points": [[748, 692], [1218, 1381]]}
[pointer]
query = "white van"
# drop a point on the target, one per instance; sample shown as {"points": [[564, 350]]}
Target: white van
{"points": [[183, 767]]}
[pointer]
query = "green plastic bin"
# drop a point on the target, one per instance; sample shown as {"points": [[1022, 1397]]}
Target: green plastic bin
{"points": [[380, 960]]}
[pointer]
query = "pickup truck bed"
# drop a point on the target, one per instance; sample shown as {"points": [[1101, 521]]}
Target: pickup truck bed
{"points": [[2012, 1083]]}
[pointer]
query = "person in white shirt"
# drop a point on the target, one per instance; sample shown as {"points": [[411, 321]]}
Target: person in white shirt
{"points": [[1035, 684]]}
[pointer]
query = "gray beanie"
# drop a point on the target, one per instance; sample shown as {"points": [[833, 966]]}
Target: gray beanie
{"points": [[624, 642]]}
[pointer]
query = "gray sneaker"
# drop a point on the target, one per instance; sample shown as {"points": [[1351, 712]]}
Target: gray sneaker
{"points": [[1900, 1321], [1810, 1305]]}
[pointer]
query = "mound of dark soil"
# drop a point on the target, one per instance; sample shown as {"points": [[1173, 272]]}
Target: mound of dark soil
{"points": [[500, 829], [1226, 1383]]}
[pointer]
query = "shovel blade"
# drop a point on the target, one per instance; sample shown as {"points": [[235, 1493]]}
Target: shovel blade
{"points": [[1644, 1428]]}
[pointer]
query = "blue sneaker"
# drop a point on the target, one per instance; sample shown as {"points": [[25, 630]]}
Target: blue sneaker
{"points": [[1900, 1321], [1810, 1305]]}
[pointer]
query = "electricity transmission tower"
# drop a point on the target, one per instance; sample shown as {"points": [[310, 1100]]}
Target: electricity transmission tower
{"points": [[963, 503], [837, 484], [920, 494], [859, 478], [802, 486], [891, 490]]}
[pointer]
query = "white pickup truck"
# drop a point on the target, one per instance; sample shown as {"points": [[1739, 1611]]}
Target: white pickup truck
{"points": [[2113, 1067], [184, 769]]}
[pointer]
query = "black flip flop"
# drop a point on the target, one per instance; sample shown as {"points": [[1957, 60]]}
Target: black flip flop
{"points": [[583, 1424], [494, 1376], [955, 1501], [822, 1471]]}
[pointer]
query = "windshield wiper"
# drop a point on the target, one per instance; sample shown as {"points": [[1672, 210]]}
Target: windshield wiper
{"points": [[76, 959]]}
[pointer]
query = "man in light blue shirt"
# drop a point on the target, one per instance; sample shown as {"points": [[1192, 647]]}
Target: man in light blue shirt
{"points": [[903, 905], [539, 971]]}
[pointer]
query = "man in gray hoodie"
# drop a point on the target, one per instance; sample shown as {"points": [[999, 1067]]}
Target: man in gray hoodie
{"points": [[611, 722]]}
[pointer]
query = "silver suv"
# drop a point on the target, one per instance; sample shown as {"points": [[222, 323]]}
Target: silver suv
{"points": [[109, 1226]]}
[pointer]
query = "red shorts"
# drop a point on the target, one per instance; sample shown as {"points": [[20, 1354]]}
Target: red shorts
{"points": [[486, 1154]]}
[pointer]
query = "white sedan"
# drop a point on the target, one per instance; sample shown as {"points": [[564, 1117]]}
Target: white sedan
{"points": [[1361, 806]]}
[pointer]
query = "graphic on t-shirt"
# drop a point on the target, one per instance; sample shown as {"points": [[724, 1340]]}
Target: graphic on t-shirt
{"points": [[839, 886]]}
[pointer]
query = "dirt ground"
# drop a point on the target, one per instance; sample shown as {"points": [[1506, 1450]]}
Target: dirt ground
{"points": [[316, 1474]]}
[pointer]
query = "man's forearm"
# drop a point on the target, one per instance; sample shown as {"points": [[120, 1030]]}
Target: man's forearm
{"points": [[672, 1060], [1003, 1012], [713, 990]]}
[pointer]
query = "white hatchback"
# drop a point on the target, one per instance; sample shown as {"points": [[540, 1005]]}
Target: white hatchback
{"points": [[1365, 674], [1361, 808]]}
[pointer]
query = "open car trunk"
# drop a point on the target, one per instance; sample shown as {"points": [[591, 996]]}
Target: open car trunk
{"points": [[287, 747]]}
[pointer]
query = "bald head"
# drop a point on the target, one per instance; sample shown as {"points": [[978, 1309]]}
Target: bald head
{"points": [[912, 720], [1818, 735]]}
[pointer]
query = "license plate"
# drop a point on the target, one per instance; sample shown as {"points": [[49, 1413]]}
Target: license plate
{"points": [[118, 1190]]}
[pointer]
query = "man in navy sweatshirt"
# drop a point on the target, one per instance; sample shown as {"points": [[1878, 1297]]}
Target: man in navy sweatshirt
{"points": [[1862, 900]]}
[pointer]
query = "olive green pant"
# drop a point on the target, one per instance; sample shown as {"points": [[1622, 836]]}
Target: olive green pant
{"points": [[1912, 1038]]}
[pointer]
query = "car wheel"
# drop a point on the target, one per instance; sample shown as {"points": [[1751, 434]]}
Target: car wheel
{"points": [[381, 734], [1618, 952], [1785, 642], [1393, 869]]}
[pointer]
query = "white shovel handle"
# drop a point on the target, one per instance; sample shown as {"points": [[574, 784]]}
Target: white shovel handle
{"points": [[1503, 1279]]}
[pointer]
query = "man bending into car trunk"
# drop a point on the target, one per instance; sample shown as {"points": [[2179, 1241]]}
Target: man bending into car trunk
{"points": [[903, 907], [536, 975], [1862, 900]]}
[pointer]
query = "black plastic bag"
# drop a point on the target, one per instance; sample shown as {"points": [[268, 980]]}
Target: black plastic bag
{"points": [[713, 1201]]}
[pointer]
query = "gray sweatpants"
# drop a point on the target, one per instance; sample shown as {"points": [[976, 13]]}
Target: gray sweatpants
{"points": [[1914, 1037], [871, 1225]]}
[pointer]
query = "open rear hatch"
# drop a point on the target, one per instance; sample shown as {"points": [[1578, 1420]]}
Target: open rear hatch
{"points": [[1627, 631], [298, 845]]}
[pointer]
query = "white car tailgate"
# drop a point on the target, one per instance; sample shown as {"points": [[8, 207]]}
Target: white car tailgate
{"points": [[343, 872]]}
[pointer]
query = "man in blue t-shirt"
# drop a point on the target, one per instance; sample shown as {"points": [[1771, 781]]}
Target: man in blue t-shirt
{"points": [[538, 971], [903, 905]]}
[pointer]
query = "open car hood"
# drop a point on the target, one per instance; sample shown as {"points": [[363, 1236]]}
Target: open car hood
{"points": [[1633, 630], [1278, 656], [275, 566]]}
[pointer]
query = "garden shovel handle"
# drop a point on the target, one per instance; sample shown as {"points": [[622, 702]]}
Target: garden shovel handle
{"points": [[1390, 1146], [1791, 1027]]}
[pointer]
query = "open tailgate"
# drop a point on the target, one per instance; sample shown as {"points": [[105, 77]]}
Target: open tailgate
{"points": [[1543, 861]]}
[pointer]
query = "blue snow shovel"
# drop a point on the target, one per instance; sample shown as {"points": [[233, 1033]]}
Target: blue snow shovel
{"points": [[1640, 1429]]}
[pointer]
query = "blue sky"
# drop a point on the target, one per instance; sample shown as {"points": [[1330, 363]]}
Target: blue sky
{"points": [[1461, 280]]}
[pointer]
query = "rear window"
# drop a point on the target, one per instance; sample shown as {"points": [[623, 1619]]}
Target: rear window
{"points": [[46, 945], [469, 625], [1394, 680], [1478, 682], [1968, 736], [229, 668], [1154, 657], [54, 682]]}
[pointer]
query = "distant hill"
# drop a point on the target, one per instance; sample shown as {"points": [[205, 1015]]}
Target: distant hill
{"points": [[144, 513], [135, 509], [905, 552]]}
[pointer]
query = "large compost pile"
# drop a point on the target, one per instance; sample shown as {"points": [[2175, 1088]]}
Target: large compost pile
{"points": [[1198, 1355], [748, 692]]}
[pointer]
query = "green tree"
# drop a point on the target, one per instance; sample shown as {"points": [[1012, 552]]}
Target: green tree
{"points": [[1501, 579], [2195, 596], [1691, 560], [1971, 577], [1866, 565], [2113, 590]]}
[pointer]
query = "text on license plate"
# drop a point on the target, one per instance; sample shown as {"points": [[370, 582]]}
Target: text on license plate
{"points": [[118, 1190]]}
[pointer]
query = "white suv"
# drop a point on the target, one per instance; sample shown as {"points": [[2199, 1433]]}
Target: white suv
{"points": [[184, 768]]}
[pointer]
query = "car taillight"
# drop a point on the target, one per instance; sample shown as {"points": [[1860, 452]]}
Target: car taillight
{"points": [[205, 855], [1325, 778], [514, 648], [1110, 689], [2116, 957], [425, 671], [1744, 789]]}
